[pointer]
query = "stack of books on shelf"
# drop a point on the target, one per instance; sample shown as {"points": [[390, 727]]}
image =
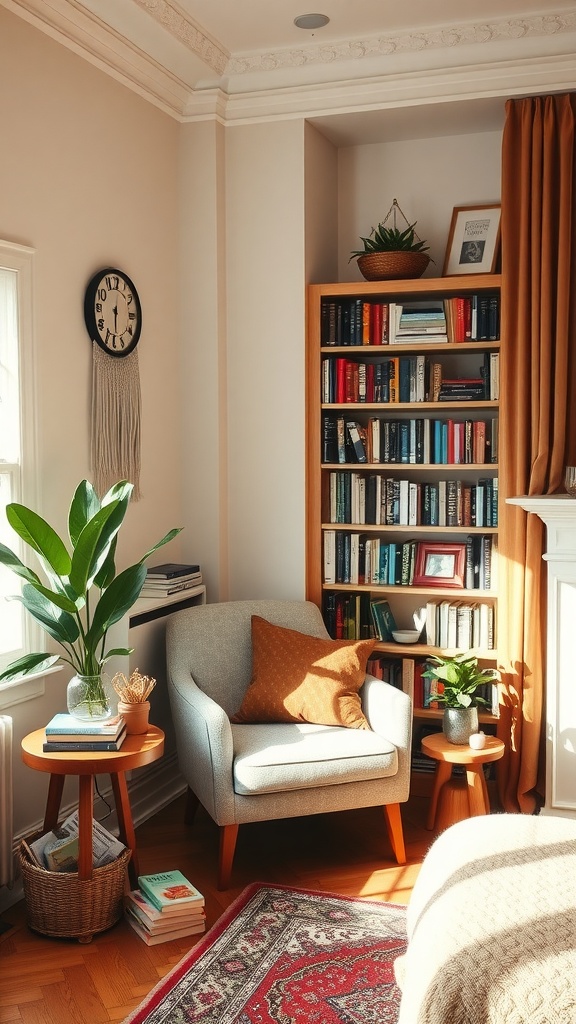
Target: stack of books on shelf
{"points": [[170, 578], [165, 906], [66, 733]]}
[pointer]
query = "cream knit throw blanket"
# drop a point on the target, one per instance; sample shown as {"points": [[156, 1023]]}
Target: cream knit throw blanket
{"points": [[492, 925]]}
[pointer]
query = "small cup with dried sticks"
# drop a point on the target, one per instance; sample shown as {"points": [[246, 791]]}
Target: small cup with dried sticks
{"points": [[134, 705]]}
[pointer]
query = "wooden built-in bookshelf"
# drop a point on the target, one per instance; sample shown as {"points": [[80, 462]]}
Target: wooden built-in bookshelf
{"points": [[347, 366]]}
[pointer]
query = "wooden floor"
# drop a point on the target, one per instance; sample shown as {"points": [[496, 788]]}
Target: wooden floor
{"points": [[56, 981]]}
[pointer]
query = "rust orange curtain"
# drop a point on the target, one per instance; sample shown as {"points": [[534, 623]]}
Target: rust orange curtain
{"points": [[538, 403]]}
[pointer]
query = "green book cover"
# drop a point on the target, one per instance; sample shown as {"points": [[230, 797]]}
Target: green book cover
{"points": [[168, 889]]}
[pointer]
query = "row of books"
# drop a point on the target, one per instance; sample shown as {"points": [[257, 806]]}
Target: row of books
{"points": [[358, 559], [165, 906], [66, 733], [453, 625], [170, 578], [405, 379], [414, 441], [460, 625], [457, 319], [377, 500]]}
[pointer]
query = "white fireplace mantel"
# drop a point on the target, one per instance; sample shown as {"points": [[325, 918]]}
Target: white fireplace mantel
{"points": [[558, 512]]}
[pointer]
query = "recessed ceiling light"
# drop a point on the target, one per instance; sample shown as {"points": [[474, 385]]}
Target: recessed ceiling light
{"points": [[311, 20]]}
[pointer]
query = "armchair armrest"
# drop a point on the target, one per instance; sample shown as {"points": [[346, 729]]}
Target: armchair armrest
{"points": [[389, 713], [205, 747]]}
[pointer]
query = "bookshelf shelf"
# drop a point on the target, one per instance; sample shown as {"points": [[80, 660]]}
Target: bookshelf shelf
{"points": [[441, 440]]}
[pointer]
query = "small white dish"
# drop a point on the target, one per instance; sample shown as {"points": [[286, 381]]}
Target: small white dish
{"points": [[406, 636]]}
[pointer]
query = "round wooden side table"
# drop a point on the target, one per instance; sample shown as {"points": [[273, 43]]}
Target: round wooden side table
{"points": [[454, 799], [135, 752]]}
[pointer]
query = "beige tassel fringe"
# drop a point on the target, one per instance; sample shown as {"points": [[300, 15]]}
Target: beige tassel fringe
{"points": [[115, 442]]}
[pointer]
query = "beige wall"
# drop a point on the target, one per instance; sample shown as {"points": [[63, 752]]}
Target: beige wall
{"points": [[88, 177]]}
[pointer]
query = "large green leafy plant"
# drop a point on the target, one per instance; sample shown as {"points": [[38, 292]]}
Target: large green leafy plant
{"points": [[460, 679], [82, 596], [383, 239]]}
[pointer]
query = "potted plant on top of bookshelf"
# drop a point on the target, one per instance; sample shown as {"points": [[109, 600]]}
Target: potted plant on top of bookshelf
{"points": [[64, 605], [459, 680], [390, 253]]}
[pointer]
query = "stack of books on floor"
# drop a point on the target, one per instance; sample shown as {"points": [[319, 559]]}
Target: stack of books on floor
{"points": [[66, 733], [165, 906], [170, 578]]}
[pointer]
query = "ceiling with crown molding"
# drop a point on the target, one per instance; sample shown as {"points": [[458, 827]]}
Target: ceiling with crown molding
{"points": [[244, 60]]}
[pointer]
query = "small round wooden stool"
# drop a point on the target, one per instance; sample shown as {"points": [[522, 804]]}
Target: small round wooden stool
{"points": [[455, 799]]}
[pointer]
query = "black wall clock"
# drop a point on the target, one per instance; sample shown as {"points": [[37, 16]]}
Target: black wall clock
{"points": [[112, 312]]}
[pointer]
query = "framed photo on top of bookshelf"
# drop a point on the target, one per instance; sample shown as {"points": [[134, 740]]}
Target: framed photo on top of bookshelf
{"points": [[439, 565], [473, 241]]}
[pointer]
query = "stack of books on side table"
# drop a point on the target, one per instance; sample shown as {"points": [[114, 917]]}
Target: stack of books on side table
{"points": [[170, 578], [66, 733], [166, 906]]}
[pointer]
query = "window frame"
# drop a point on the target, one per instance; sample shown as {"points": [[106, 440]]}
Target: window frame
{"points": [[19, 258]]}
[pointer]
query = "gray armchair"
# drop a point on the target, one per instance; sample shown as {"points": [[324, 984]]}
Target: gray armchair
{"points": [[243, 773]]}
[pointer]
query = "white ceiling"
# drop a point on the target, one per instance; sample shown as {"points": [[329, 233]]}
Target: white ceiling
{"points": [[245, 59]]}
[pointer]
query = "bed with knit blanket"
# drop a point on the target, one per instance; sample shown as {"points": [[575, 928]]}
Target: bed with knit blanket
{"points": [[492, 925]]}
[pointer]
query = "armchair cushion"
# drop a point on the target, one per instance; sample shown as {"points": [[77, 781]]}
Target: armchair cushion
{"points": [[301, 678], [280, 758]]}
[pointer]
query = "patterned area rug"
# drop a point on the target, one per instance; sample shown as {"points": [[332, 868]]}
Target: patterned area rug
{"points": [[287, 956]]}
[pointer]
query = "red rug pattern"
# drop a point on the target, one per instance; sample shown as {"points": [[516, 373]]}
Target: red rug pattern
{"points": [[287, 956]]}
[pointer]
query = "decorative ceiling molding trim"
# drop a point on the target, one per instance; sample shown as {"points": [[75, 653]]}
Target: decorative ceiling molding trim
{"points": [[485, 80], [67, 22], [403, 42], [188, 32]]}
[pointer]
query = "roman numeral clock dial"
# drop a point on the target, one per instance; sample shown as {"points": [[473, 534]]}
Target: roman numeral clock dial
{"points": [[112, 312]]}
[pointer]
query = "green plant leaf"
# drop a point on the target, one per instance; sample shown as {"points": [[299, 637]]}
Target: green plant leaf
{"points": [[58, 623], [40, 536], [28, 664], [83, 507], [11, 561], [115, 601], [59, 599], [93, 544], [165, 539]]}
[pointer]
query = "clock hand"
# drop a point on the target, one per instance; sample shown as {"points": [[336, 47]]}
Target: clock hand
{"points": [[115, 311]]}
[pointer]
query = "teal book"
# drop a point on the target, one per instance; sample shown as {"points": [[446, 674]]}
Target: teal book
{"points": [[169, 889]]}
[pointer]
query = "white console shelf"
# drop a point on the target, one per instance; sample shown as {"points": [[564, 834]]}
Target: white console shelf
{"points": [[558, 512]]}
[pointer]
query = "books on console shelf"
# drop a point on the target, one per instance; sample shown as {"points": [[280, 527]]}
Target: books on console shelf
{"points": [[169, 889], [164, 589], [172, 570]]}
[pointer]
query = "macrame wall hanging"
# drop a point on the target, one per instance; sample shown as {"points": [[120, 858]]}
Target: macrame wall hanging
{"points": [[113, 317]]}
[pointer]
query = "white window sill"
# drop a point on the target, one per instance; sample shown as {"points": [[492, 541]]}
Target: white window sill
{"points": [[25, 688]]}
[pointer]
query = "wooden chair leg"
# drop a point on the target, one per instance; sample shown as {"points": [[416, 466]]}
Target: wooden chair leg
{"points": [[192, 802], [228, 836], [393, 820]]}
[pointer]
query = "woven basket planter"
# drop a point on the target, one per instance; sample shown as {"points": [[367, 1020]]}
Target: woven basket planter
{"points": [[391, 266], [61, 905]]}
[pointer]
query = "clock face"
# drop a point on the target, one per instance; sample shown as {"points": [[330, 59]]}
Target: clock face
{"points": [[112, 312]]}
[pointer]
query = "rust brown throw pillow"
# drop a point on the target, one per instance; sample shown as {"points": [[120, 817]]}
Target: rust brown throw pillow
{"points": [[301, 678]]}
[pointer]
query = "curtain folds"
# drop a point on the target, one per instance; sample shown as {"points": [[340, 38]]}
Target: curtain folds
{"points": [[538, 405]]}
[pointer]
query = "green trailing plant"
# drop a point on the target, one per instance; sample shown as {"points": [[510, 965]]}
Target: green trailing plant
{"points": [[383, 239], [82, 596], [459, 679]]}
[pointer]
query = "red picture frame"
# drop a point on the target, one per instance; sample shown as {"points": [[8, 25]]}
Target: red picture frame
{"points": [[439, 565]]}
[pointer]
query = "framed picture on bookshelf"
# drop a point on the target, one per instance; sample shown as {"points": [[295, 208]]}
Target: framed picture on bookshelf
{"points": [[439, 565], [473, 241]]}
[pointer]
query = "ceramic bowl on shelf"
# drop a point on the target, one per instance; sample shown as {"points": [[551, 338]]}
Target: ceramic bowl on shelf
{"points": [[406, 636]]}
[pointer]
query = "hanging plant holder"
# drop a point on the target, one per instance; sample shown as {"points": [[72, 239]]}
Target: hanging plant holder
{"points": [[391, 252]]}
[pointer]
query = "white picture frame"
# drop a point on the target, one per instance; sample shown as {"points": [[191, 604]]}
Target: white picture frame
{"points": [[473, 241]]}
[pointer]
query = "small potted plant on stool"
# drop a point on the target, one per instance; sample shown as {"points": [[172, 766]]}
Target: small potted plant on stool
{"points": [[458, 682]]}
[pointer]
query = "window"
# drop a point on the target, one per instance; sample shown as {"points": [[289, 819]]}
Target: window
{"points": [[18, 633]]}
